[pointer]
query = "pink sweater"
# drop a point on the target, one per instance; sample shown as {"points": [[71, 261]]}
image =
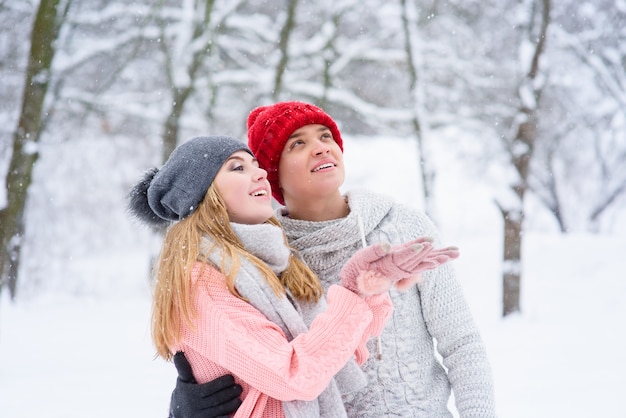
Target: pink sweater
{"points": [[231, 336]]}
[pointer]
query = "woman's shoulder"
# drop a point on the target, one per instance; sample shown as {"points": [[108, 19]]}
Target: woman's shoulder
{"points": [[210, 284], [205, 271], [209, 277]]}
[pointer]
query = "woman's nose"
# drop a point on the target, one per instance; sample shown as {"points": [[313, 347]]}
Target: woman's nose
{"points": [[261, 174]]}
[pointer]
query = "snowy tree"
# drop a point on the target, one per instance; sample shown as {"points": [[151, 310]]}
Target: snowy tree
{"points": [[521, 144], [504, 83], [24, 153], [580, 176], [136, 78]]}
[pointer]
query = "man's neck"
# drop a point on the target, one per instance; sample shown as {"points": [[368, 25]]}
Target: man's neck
{"points": [[333, 207]]}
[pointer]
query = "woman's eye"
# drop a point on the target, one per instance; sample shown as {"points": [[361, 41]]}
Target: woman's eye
{"points": [[238, 168]]}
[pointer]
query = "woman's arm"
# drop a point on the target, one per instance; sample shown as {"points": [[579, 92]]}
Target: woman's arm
{"points": [[381, 308], [245, 342]]}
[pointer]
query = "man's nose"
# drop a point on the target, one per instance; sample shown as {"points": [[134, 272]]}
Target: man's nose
{"points": [[321, 148]]}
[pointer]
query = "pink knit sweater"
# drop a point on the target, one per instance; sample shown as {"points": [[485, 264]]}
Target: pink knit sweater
{"points": [[231, 336]]}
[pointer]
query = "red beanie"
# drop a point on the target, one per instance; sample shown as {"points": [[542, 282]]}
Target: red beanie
{"points": [[269, 127]]}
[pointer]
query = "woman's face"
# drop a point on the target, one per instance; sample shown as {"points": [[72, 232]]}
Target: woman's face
{"points": [[244, 187], [311, 164]]}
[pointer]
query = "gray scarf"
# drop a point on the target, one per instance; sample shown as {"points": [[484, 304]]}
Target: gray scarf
{"points": [[266, 242]]}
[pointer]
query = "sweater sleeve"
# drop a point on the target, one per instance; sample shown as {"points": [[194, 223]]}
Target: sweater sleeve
{"points": [[381, 307], [449, 321], [239, 338]]}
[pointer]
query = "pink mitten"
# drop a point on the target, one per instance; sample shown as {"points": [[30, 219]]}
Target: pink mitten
{"points": [[374, 269], [434, 259], [359, 263], [403, 259]]}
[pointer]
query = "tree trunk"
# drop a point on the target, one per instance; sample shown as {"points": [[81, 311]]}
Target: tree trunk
{"points": [[25, 139], [512, 271], [180, 94], [329, 54], [172, 122], [522, 150], [283, 43], [426, 174]]}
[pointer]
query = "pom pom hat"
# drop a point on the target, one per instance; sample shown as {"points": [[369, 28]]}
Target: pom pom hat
{"points": [[174, 191], [269, 128]]}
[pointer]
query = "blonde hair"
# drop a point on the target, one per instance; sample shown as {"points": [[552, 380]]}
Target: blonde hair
{"points": [[172, 301]]}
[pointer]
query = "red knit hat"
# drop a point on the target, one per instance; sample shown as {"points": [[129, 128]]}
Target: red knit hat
{"points": [[269, 127]]}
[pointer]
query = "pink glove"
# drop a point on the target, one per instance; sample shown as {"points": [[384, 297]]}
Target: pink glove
{"points": [[374, 269], [433, 260]]}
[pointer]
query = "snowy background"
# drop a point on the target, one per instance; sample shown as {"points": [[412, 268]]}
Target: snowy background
{"points": [[81, 346]]}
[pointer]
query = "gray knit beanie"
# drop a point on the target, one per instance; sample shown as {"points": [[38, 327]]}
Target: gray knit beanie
{"points": [[174, 191]]}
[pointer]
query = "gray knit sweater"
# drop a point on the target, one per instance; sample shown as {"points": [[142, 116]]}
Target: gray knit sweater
{"points": [[407, 381]]}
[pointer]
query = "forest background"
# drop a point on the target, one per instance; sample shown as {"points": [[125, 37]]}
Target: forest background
{"points": [[523, 103]]}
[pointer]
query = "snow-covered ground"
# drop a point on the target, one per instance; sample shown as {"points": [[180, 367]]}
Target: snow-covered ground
{"points": [[68, 354]]}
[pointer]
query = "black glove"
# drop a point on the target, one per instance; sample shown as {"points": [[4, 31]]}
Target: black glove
{"points": [[215, 399]]}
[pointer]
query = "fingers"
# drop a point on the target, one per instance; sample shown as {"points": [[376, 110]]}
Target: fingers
{"points": [[227, 408], [369, 260], [363, 258], [444, 255], [223, 384], [372, 270], [413, 258], [451, 252], [183, 367], [403, 259], [375, 252], [422, 240], [222, 392], [434, 259], [438, 257], [409, 258]]}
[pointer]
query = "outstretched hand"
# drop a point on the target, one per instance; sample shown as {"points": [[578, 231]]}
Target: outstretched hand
{"points": [[433, 259], [374, 269], [215, 399]]}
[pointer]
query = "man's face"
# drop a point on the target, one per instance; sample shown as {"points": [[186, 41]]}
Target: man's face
{"points": [[311, 164]]}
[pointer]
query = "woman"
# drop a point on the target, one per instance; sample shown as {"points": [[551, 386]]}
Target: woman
{"points": [[232, 296]]}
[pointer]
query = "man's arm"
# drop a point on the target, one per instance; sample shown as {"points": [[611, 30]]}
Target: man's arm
{"points": [[215, 399]]}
